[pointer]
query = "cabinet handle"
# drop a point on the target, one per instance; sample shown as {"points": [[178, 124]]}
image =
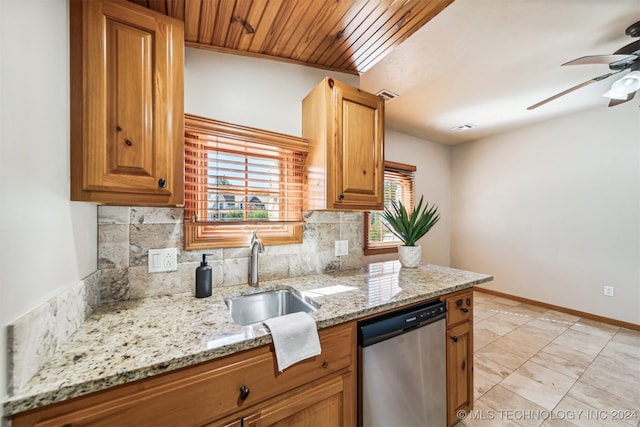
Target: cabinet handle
{"points": [[244, 392], [162, 183], [331, 83], [325, 364], [464, 309], [454, 338], [128, 142], [341, 196], [464, 364], [468, 301]]}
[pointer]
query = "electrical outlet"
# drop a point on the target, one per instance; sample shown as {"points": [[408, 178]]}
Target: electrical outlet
{"points": [[608, 291], [163, 260], [171, 259], [342, 247]]}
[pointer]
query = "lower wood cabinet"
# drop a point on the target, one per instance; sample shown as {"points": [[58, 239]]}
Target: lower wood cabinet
{"points": [[319, 404], [242, 389], [459, 354]]}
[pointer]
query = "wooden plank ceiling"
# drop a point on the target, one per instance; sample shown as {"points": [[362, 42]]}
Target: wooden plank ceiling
{"points": [[344, 35]]}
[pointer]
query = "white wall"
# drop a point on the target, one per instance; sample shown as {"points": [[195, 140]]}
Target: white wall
{"points": [[252, 92], [432, 181], [553, 211], [47, 242]]}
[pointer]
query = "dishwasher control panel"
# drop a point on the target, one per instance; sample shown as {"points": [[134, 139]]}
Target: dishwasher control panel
{"points": [[376, 329]]}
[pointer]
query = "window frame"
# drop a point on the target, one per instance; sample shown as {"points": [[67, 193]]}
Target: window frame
{"points": [[202, 233], [392, 247]]}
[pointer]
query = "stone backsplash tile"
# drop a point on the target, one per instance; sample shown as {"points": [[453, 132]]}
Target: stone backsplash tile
{"points": [[143, 284], [143, 237], [327, 234], [114, 215], [271, 267], [34, 337], [185, 257], [113, 246], [114, 285], [235, 271], [142, 215], [127, 234]]}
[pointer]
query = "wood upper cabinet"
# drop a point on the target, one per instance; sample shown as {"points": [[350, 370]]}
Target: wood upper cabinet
{"points": [[127, 111], [345, 166], [459, 354]]}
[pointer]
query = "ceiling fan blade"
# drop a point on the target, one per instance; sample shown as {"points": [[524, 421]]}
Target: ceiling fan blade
{"points": [[576, 87], [601, 59], [614, 102], [629, 49]]}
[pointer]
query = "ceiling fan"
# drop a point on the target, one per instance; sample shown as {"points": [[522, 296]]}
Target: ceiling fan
{"points": [[623, 59]]}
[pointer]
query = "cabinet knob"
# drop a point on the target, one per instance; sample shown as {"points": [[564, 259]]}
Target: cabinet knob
{"points": [[341, 196], [244, 392], [464, 309], [331, 83], [468, 301], [454, 338], [325, 364], [162, 183], [118, 128], [464, 364], [128, 142]]}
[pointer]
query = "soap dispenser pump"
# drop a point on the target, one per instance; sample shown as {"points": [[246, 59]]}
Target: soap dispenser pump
{"points": [[203, 279]]}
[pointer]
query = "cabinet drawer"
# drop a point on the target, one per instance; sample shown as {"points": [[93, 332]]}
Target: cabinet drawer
{"points": [[200, 394], [459, 307]]}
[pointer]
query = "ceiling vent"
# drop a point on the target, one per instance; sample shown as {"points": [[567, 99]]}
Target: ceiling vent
{"points": [[463, 127], [387, 95]]}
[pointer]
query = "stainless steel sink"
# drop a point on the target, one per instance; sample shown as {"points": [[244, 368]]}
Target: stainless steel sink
{"points": [[253, 308]]}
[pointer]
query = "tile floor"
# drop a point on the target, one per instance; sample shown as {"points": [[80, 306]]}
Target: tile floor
{"points": [[539, 367]]}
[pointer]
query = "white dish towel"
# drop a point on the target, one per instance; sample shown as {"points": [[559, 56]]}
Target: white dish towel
{"points": [[295, 338]]}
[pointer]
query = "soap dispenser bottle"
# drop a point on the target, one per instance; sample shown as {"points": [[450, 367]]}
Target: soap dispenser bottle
{"points": [[203, 279]]}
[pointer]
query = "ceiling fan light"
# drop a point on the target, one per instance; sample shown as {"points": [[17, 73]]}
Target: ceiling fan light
{"points": [[611, 94], [624, 86]]}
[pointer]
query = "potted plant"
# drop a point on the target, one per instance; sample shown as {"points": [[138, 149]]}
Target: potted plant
{"points": [[410, 227]]}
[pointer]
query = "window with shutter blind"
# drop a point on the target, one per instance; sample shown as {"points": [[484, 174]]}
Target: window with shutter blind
{"points": [[238, 179], [398, 186]]}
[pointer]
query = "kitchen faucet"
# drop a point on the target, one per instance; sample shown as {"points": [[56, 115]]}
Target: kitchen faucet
{"points": [[255, 248]]}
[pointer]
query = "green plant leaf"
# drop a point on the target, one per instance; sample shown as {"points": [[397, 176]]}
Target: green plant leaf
{"points": [[410, 226]]}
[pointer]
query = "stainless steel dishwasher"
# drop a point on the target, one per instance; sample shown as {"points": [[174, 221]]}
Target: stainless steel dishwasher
{"points": [[402, 369]]}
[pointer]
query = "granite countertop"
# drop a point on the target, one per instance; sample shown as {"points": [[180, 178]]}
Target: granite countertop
{"points": [[130, 340]]}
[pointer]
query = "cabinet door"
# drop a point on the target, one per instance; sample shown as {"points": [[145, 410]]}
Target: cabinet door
{"points": [[459, 308], [127, 108], [324, 404], [359, 163], [459, 370]]}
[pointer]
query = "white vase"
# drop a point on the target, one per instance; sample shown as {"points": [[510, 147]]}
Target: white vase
{"points": [[410, 256]]}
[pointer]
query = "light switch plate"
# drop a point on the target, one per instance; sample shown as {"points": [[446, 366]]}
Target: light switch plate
{"points": [[342, 247], [163, 260]]}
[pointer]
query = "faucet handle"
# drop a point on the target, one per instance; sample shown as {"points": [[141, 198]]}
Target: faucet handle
{"points": [[257, 241]]}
